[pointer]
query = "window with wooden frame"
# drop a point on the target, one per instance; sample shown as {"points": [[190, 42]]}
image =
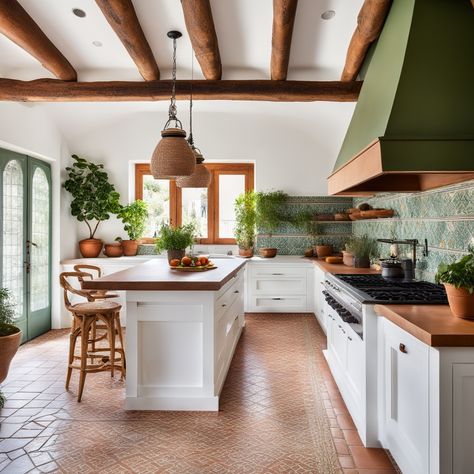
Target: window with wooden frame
{"points": [[212, 208]]}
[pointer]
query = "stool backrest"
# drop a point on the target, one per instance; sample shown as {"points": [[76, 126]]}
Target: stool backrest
{"points": [[91, 271], [64, 281]]}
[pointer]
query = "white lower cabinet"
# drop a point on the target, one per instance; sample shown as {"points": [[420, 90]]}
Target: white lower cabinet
{"points": [[404, 398], [319, 301]]}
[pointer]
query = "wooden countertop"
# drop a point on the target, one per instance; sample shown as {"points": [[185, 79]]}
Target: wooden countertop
{"points": [[155, 275], [339, 268], [434, 325]]}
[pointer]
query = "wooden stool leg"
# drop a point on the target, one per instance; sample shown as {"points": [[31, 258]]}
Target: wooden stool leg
{"points": [[85, 327], [111, 331], [72, 347], [122, 345]]}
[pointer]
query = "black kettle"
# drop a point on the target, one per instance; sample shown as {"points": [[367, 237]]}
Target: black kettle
{"points": [[392, 268]]}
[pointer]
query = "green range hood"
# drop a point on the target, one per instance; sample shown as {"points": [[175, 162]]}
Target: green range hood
{"points": [[413, 125]]}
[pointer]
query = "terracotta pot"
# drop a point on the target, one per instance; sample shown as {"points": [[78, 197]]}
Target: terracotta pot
{"points": [[461, 302], [309, 252], [130, 247], [90, 248], [267, 252], [361, 262], [8, 347], [172, 254], [113, 250], [347, 258], [247, 253], [323, 251]]}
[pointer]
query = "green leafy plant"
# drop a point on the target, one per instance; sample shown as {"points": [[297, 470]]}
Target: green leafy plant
{"points": [[134, 217], [246, 219], [460, 274], [7, 314], [94, 198], [270, 212], [362, 247], [175, 238], [304, 221]]}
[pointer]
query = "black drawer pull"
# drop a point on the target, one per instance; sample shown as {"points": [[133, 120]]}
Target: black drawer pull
{"points": [[277, 274], [224, 305], [236, 291], [403, 348], [277, 299], [349, 337], [340, 327]]}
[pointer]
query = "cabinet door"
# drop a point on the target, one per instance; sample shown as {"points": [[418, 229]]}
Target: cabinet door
{"points": [[339, 338], [355, 365], [406, 400], [319, 301]]}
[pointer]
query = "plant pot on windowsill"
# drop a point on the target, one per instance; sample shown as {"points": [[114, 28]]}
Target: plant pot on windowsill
{"points": [[9, 344], [130, 247], [113, 250], [246, 252], [361, 262], [90, 248], [267, 252], [461, 302], [323, 251]]}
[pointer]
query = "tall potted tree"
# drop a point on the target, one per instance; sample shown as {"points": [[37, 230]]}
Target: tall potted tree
{"points": [[10, 336], [134, 217], [94, 198], [245, 223], [270, 214]]}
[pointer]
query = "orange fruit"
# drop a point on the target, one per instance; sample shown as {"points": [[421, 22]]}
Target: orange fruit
{"points": [[186, 261], [203, 260], [175, 262]]}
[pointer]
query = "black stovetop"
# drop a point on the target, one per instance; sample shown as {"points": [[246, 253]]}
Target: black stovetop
{"points": [[375, 288]]}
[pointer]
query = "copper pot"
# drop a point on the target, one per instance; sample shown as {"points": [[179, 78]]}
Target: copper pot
{"points": [[90, 248], [461, 302], [267, 252], [8, 347], [323, 251], [130, 247], [247, 253], [113, 250]]}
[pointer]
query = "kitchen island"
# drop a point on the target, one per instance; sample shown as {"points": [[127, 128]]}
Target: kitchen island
{"points": [[182, 330]]}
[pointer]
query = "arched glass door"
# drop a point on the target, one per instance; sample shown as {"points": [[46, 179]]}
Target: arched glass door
{"points": [[25, 255]]}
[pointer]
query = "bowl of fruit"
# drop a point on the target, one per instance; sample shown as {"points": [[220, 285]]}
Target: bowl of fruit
{"points": [[192, 264]]}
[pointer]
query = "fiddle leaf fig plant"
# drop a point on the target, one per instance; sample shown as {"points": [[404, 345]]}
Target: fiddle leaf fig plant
{"points": [[459, 274], [94, 198], [134, 217]]}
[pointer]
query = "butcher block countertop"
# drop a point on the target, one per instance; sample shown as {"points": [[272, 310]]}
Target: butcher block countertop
{"points": [[340, 268], [156, 275], [434, 325]]}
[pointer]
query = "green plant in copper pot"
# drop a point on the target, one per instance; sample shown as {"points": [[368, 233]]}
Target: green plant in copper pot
{"points": [[363, 248], [134, 217], [175, 240], [245, 223]]}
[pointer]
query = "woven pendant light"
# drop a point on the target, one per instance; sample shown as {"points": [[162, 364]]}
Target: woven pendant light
{"points": [[201, 178], [173, 157]]}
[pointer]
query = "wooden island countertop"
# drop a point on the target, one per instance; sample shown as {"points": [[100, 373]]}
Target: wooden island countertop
{"points": [[434, 325], [156, 275]]}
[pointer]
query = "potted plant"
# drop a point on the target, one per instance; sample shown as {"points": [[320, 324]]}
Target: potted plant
{"points": [[363, 248], [245, 223], [175, 240], [114, 249], [10, 336], [347, 257], [458, 279], [93, 199], [269, 215], [134, 218]]}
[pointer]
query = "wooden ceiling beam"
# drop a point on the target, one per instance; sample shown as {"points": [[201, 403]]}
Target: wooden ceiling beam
{"points": [[52, 90], [201, 30], [370, 22], [123, 19], [284, 13], [19, 27]]}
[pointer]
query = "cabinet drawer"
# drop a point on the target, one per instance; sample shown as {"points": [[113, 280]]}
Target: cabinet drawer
{"points": [[286, 286], [257, 271], [226, 299], [277, 304]]}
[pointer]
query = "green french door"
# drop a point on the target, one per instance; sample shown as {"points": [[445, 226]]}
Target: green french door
{"points": [[25, 249]]}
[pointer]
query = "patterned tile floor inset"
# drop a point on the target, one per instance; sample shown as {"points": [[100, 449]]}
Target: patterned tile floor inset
{"points": [[281, 412]]}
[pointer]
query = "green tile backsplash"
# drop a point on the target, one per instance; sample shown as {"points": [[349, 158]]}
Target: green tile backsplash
{"points": [[444, 216]]}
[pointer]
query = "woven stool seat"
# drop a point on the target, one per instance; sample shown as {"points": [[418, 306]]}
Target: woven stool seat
{"points": [[96, 307]]}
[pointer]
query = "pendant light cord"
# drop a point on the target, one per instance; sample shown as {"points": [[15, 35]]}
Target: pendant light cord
{"points": [[172, 111], [190, 138]]}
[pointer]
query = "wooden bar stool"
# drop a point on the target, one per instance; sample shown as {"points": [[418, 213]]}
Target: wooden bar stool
{"points": [[84, 316]]}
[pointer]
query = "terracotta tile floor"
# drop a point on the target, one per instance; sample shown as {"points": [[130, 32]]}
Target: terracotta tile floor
{"points": [[281, 412]]}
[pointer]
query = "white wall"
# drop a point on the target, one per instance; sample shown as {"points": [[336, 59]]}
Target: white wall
{"points": [[294, 146]]}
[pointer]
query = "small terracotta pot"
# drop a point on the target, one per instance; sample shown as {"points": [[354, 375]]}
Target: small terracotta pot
{"points": [[247, 253], [130, 247], [267, 252], [309, 252], [179, 254], [90, 248], [461, 302], [8, 347], [113, 250], [361, 262], [347, 258], [323, 251]]}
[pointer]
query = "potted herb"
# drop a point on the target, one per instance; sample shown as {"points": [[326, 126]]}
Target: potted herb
{"points": [[363, 248], [458, 279], [134, 218], [93, 199], [175, 240], [10, 336], [245, 223], [269, 215]]}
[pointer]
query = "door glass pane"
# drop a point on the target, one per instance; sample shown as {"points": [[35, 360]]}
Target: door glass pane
{"points": [[194, 209], [13, 238], [39, 250], [230, 186], [156, 193]]}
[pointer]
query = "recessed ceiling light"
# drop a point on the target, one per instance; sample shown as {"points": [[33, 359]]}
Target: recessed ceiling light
{"points": [[97, 43], [328, 15], [78, 12]]}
